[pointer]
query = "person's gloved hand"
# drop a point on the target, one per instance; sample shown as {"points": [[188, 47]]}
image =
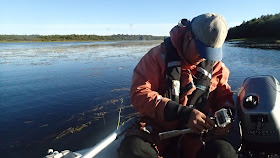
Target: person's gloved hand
{"points": [[220, 131], [199, 122], [191, 118]]}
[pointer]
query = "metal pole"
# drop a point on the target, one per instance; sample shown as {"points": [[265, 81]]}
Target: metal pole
{"points": [[109, 139], [174, 133]]}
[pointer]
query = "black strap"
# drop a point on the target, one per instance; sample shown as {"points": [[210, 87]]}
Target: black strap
{"points": [[173, 72], [172, 69], [199, 97]]}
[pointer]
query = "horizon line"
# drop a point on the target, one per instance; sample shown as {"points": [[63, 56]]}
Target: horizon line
{"points": [[77, 34]]}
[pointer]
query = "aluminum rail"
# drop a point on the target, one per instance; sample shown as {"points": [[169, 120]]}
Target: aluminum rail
{"points": [[109, 139]]}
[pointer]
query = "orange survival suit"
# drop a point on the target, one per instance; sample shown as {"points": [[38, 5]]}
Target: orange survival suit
{"points": [[148, 88]]}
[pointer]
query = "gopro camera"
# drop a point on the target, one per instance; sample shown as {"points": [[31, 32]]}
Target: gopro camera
{"points": [[223, 117]]}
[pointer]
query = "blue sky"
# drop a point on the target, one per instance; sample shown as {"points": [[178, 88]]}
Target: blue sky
{"points": [[107, 17]]}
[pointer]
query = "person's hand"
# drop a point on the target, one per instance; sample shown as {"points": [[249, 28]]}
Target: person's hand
{"points": [[199, 122], [220, 131]]}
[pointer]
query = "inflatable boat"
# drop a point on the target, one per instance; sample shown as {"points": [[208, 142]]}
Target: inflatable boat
{"points": [[258, 110]]}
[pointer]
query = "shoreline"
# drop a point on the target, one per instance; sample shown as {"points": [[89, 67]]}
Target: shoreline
{"points": [[245, 43], [75, 38], [78, 41], [275, 46], [260, 43], [98, 43]]}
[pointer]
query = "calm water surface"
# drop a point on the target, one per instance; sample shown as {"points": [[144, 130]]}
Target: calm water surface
{"points": [[68, 95]]}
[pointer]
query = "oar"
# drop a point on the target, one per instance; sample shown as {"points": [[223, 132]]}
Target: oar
{"points": [[109, 139]]}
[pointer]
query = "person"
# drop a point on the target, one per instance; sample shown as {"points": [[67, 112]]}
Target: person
{"points": [[176, 85]]}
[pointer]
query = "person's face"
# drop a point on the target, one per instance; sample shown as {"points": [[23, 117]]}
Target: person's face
{"points": [[190, 52]]}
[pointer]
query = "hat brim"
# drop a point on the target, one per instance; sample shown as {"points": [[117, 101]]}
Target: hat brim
{"points": [[209, 53]]}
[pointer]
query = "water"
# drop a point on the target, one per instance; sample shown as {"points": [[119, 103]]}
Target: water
{"points": [[68, 95], [246, 62]]}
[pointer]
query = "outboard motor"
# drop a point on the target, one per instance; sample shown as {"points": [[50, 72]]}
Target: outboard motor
{"points": [[258, 105]]}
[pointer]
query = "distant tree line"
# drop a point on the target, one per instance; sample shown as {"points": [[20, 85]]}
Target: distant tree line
{"points": [[266, 26], [74, 37]]}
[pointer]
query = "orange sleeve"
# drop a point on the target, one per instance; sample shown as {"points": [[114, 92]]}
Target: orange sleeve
{"points": [[221, 94], [146, 83]]}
